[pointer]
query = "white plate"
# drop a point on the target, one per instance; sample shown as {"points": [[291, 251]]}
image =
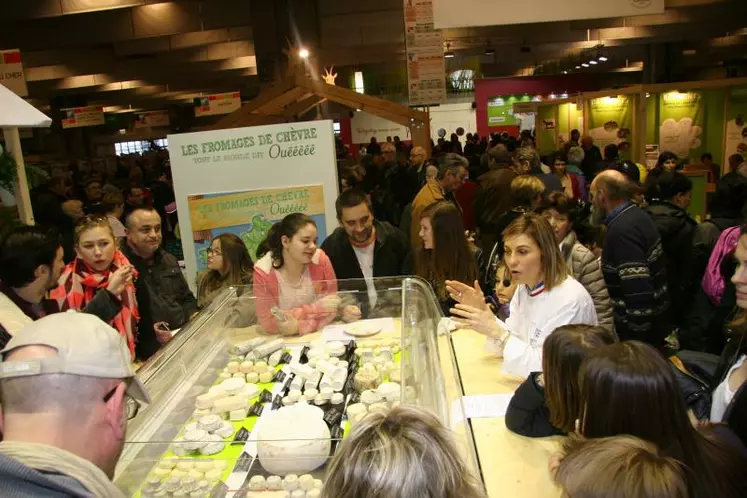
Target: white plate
{"points": [[362, 329]]}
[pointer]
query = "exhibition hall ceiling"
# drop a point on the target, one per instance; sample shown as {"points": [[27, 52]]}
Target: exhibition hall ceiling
{"points": [[146, 53]]}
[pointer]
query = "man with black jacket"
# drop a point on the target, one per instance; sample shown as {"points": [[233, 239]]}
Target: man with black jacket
{"points": [[676, 229], [363, 247], [163, 296], [31, 259]]}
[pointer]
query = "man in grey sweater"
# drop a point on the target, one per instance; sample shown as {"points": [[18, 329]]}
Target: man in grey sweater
{"points": [[68, 389]]}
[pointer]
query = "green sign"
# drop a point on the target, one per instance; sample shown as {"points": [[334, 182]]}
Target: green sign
{"points": [[736, 123], [611, 120], [501, 110], [681, 123]]}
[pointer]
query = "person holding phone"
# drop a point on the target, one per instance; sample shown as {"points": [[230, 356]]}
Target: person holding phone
{"points": [[99, 267]]}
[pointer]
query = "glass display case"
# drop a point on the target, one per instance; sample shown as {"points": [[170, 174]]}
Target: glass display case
{"points": [[236, 409]]}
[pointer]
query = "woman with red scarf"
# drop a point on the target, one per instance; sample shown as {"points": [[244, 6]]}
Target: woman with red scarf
{"points": [[99, 267]]}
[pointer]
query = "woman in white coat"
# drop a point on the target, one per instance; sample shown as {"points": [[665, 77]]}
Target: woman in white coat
{"points": [[546, 298]]}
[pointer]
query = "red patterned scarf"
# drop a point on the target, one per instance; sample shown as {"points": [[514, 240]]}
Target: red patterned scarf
{"points": [[79, 283]]}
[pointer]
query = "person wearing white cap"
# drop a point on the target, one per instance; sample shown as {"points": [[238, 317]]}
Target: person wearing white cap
{"points": [[67, 390]]}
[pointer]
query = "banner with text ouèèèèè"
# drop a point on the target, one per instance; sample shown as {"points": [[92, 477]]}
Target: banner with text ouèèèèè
{"points": [[736, 123], [243, 180], [680, 123], [250, 214], [611, 120]]}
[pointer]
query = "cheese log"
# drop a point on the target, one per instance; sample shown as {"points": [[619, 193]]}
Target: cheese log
{"points": [[267, 349], [303, 371], [274, 359], [229, 404], [206, 400]]}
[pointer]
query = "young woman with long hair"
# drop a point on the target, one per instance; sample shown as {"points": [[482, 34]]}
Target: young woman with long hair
{"points": [[547, 297], [402, 453], [294, 282], [630, 388], [445, 253], [546, 403], [100, 268], [229, 264], [570, 182]]}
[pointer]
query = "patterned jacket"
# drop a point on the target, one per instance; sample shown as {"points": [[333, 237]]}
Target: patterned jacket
{"points": [[634, 269]]}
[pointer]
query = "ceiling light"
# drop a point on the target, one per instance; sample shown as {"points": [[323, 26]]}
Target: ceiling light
{"points": [[585, 64], [593, 62], [565, 71], [303, 53], [449, 54], [602, 58], [578, 67]]}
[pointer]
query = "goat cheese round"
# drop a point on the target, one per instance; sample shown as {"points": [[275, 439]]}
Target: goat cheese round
{"points": [[257, 483], [306, 482], [274, 483], [194, 440], [210, 423], [290, 482]]}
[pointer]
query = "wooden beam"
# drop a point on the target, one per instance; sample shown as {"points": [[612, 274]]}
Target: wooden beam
{"points": [[265, 97], [695, 85], [303, 106]]}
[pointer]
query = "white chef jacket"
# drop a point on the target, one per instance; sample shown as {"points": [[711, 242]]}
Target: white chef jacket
{"points": [[533, 318]]}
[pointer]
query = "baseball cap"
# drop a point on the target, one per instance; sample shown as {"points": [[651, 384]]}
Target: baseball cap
{"points": [[85, 346]]}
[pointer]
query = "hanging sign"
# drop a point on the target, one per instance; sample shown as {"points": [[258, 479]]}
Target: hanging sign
{"points": [[11, 72], [151, 119], [77, 117], [426, 66], [219, 103]]}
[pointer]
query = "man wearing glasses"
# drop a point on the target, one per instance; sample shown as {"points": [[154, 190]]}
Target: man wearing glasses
{"points": [[68, 389]]}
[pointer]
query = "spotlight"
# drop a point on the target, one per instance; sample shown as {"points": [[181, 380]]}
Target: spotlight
{"points": [[593, 62], [489, 51], [585, 64], [602, 58], [578, 67], [565, 72], [449, 54], [303, 53]]}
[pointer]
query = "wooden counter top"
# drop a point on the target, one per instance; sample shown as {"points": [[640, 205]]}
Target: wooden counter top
{"points": [[512, 466]]}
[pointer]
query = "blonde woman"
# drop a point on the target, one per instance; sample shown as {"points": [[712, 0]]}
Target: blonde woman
{"points": [[402, 453], [546, 298]]}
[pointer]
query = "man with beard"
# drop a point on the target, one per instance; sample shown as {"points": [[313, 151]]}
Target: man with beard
{"points": [[633, 262], [363, 247], [31, 259], [163, 296]]}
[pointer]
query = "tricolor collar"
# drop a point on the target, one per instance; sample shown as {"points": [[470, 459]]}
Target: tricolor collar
{"points": [[537, 290]]}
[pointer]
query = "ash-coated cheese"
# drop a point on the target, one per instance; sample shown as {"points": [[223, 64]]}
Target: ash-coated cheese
{"points": [[215, 445], [274, 359], [194, 440]]}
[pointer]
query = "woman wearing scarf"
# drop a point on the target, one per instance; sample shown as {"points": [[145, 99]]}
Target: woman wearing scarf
{"points": [[99, 267]]}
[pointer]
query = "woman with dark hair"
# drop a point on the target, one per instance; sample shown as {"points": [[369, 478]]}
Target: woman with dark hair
{"points": [[630, 388], [294, 282], [569, 181], [229, 264], [546, 298], [445, 253], [562, 213], [546, 403], [668, 162]]}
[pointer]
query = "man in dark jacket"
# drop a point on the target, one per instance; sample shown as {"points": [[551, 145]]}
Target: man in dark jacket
{"points": [[164, 298], [30, 265], [633, 262], [363, 247], [493, 198], [676, 229], [592, 156]]}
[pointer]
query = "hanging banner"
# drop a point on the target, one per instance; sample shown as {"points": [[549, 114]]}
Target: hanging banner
{"points": [[244, 179], [250, 214], [611, 120], [220, 103], [426, 66], [736, 124], [681, 123], [468, 13], [77, 117], [364, 126], [11, 72], [151, 119]]}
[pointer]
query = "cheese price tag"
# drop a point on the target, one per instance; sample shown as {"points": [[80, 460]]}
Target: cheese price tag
{"points": [[241, 436], [243, 463]]}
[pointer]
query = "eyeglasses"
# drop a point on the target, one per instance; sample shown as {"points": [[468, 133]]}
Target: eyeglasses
{"points": [[214, 252], [132, 405]]}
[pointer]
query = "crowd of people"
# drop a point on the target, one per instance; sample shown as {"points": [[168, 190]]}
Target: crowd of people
{"points": [[583, 269]]}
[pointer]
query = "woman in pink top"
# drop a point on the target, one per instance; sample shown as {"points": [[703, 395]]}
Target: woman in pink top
{"points": [[294, 282]]}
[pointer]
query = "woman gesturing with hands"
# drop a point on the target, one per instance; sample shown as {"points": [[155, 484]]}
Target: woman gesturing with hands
{"points": [[546, 297]]}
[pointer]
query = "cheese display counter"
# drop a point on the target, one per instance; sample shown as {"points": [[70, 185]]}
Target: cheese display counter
{"points": [[237, 412]]}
